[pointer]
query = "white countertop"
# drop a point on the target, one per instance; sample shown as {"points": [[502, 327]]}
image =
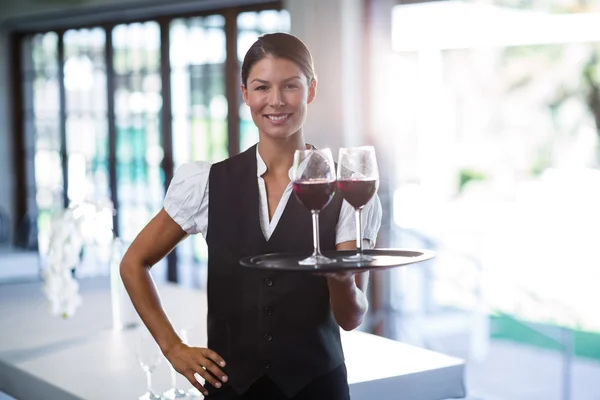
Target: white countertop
{"points": [[45, 357]]}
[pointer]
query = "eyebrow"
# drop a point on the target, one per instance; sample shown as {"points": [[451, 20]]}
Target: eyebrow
{"points": [[285, 80]]}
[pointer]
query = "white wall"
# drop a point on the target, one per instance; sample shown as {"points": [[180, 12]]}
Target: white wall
{"points": [[6, 161]]}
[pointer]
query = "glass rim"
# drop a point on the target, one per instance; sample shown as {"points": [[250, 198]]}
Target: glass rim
{"points": [[313, 150], [370, 178], [314, 180], [365, 147]]}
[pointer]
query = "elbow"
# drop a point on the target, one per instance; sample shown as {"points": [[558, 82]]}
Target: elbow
{"points": [[126, 269], [349, 320], [350, 325], [132, 268]]}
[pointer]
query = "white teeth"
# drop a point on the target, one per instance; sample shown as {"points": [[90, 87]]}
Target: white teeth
{"points": [[277, 117]]}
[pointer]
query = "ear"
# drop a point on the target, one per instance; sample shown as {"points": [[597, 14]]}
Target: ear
{"points": [[244, 93], [312, 90]]}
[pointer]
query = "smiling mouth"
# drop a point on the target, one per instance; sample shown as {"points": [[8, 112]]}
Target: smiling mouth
{"points": [[278, 117]]}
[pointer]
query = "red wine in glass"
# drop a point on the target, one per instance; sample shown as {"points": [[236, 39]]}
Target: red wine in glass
{"points": [[358, 180], [358, 192], [315, 195], [314, 185]]}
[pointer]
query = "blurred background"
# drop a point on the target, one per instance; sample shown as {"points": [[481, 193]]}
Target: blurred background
{"points": [[485, 115]]}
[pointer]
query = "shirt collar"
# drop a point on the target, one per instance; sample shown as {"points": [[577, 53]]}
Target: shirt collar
{"points": [[261, 166]]}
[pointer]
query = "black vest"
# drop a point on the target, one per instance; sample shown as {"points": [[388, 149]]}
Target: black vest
{"points": [[261, 322]]}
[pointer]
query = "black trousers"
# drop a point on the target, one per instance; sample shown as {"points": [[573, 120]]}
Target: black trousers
{"points": [[331, 386]]}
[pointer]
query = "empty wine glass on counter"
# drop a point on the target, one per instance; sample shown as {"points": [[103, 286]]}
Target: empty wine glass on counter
{"points": [[175, 392], [313, 177], [149, 356], [358, 181]]}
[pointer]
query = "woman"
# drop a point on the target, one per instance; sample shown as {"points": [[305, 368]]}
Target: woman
{"points": [[270, 335]]}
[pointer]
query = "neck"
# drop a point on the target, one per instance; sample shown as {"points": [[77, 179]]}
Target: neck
{"points": [[278, 154]]}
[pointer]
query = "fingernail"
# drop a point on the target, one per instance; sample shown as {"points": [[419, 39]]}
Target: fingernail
{"points": [[222, 363], [224, 379], [217, 385]]}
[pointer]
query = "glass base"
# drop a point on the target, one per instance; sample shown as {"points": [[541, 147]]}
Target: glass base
{"points": [[358, 258], [149, 396], [175, 393], [316, 260], [195, 393]]}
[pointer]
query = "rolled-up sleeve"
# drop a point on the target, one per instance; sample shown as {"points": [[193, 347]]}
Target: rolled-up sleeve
{"points": [[186, 200]]}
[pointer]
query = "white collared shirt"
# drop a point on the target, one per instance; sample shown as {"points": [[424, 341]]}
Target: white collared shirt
{"points": [[186, 202]]}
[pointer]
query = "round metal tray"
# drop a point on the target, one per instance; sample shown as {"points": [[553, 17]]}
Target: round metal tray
{"points": [[382, 259]]}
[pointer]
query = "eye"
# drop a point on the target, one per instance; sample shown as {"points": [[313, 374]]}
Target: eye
{"points": [[261, 87], [291, 86]]}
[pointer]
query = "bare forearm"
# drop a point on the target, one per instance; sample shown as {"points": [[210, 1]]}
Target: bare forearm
{"points": [[145, 298], [348, 303]]}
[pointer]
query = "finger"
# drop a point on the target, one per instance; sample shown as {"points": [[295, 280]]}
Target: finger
{"points": [[204, 373], [212, 355], [211, 367], [192, 379], [215, 361]]}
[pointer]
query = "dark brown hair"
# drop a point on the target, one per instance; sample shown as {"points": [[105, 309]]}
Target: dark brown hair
{"points": [[280, 45]]}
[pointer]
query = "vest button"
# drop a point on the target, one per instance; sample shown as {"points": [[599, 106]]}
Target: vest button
{"points": [[266, 365], [268, 282], [268, 337], [268, 311]]}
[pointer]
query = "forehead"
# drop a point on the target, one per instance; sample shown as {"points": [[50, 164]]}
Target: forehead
{"points": [[274, 68]]}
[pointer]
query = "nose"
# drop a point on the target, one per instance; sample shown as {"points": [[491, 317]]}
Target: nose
{"points": [[276, 100]]}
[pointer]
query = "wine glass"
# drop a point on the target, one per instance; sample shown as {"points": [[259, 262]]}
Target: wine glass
{"points": [[174, 392], [358, 181], [148, 355], [313, 177]]}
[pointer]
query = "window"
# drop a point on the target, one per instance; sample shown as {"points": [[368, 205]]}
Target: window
{"points": [[199, 104], [94, 104], [86, 114], [42, 130], [138, 103]]}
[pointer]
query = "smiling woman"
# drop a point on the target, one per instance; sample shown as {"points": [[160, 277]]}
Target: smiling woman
{"points": [[261, 326]]}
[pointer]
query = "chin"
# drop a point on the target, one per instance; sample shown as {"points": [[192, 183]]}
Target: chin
{"points": [[280, 133]]}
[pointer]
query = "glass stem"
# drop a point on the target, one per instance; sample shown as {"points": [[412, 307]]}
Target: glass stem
{"points": [[359, 247], [173, 377], [149, 381], [316, 241]]}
